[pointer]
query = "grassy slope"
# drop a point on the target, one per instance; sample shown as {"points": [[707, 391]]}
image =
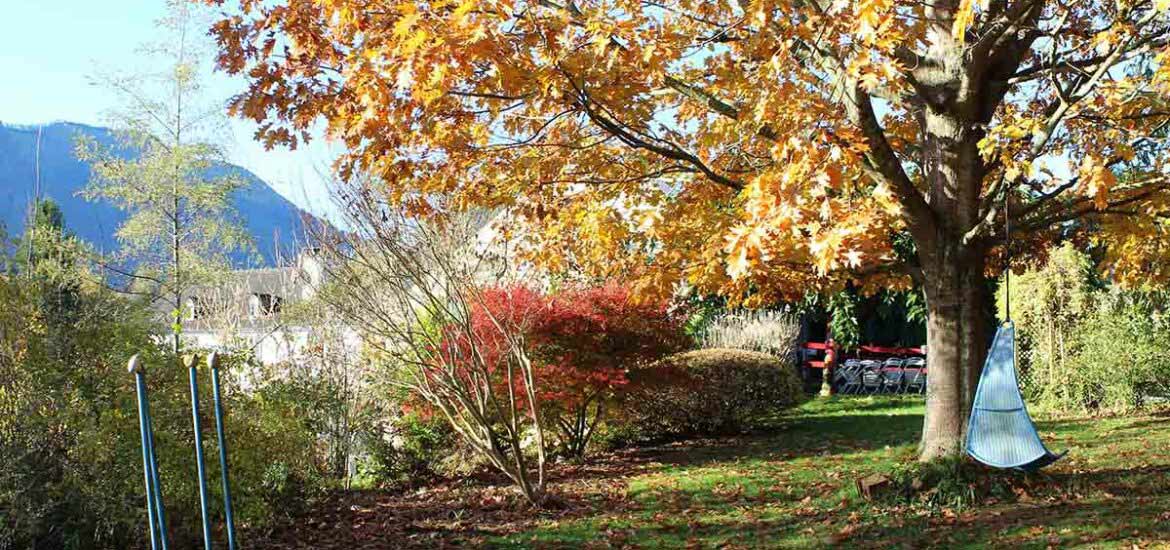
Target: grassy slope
{"points": [[793, 488]]}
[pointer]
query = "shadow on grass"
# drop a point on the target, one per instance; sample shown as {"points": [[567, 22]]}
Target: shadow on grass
{"points": [[1145, 480], [1089, 522], [1141, 425], [854, 404], [1107, 507], [801, 436], [754, 490], [1090, 508], [774, 531], [787, 486]]}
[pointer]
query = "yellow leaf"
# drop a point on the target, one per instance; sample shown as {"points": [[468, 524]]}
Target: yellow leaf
{"points": [[964, 16]]}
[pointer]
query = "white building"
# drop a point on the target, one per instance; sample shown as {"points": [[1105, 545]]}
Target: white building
{"points": [[252, 309]]}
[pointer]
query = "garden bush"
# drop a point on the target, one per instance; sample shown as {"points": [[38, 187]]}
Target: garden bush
{"points": [[586, 340], [582, 341], [1122, 358], [1048, 306], [1085, 345], [72, 469], [412, 449], [705, 392]]}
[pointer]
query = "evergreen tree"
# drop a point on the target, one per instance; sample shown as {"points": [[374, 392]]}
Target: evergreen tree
{"points": [[48, 256], [43, 236]]}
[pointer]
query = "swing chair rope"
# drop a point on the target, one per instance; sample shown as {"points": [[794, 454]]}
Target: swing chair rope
{"points": [[1007, 261]]}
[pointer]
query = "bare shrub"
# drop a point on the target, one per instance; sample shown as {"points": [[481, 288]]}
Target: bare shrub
{"points": [[414, 289]]}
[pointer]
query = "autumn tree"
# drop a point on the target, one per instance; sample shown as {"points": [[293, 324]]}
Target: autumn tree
{"points": [[755, 149]]}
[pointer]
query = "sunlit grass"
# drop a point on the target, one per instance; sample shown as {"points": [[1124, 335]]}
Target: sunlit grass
{"points": [[792, 486]]}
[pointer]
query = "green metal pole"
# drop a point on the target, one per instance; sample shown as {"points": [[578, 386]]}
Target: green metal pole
{"points": [[160, 511], [190, 361], [135, 367], [213, 364]]}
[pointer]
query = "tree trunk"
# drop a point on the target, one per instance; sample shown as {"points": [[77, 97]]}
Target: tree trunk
{"points": [[952, 271], [959, 315]]}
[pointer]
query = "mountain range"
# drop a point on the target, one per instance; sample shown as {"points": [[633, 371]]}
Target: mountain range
{"points": [[274, 222]]}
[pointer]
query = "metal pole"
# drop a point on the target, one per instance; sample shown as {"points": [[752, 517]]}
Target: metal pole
{"points": [[135, 368], [190, 362], [213, 364], [160, 511]]}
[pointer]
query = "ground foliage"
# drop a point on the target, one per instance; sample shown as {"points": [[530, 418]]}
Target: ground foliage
{"points": [[69, 434], [789, 486]]}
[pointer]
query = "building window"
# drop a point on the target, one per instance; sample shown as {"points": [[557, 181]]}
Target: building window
{"points": [[197, 308], [264, 305]]}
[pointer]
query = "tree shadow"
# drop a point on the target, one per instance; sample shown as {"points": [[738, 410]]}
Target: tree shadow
{"points": [[788, 486], [1130, 505], [796, 438], [863, 403], [1086, 508], [1158, 422], [1043, 525]]}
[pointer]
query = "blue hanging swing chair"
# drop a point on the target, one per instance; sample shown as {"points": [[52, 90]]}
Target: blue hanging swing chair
{"points": [[1000, 433]]}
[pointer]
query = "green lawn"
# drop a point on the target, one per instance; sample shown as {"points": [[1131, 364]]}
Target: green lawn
{"points": [[793, 487]]}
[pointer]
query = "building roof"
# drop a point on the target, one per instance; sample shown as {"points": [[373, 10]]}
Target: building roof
{"points": [[232, 302]]}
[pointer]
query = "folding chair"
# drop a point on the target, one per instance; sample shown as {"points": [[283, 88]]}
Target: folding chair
{"points": [[892, 375], [850, 376], [871, 376], [914, 375]]}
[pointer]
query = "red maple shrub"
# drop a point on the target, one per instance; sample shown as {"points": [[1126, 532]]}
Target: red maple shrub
{"points": [[582, 341], [497, 315], [586, 343], [472, 367]]}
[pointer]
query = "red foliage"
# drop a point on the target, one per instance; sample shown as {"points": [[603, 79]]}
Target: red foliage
{"points": [[482, 348], [589, 337], [581, 341]]}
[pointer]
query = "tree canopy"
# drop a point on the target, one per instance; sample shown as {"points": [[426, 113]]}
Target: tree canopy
{"points": [[779, 139]]}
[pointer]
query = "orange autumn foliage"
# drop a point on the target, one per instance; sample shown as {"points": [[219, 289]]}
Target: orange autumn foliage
{"points": [[703, 136]]}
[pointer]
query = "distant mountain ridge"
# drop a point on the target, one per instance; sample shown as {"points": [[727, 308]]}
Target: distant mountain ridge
{"points": [[274, 222]]}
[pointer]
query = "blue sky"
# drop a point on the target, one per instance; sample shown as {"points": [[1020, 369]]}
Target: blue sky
{"points": [[50, 49]]}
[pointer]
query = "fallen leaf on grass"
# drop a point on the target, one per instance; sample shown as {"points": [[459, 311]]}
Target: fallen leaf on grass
{"points": [[842, 535]]}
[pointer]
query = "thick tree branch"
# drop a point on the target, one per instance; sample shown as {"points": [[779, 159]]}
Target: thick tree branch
{"points": [[605, 119], [881, 163], [1084, 206]]}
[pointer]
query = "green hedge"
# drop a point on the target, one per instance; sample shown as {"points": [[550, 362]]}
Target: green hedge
{"points": [[1085, 345], [705, 392]]}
